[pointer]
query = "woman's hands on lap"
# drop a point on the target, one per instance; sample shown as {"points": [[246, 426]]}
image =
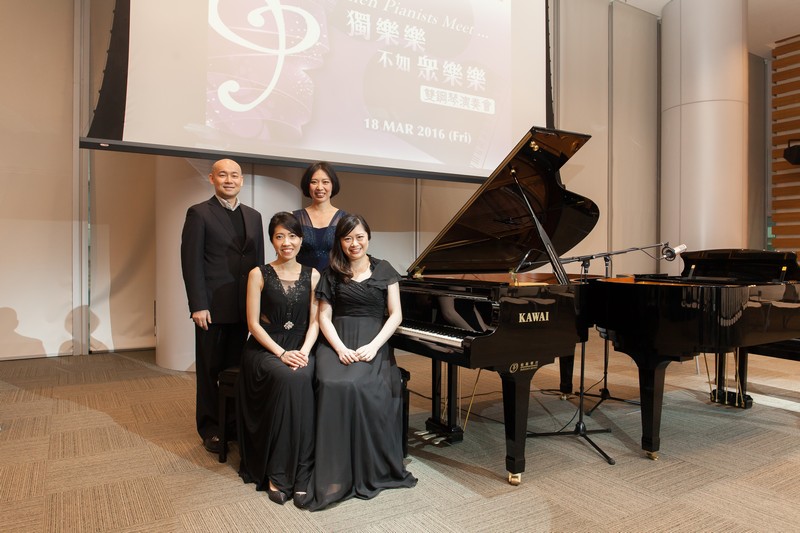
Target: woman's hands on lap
{"points": [[367, 352], [363, 354], [294, 359], [348, 356]]}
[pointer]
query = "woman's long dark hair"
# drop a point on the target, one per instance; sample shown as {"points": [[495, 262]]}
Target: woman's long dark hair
{"points": [[340, 264]]}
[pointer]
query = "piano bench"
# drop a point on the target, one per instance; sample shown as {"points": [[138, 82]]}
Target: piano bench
{"points": [[405, 377], [227, 392]]}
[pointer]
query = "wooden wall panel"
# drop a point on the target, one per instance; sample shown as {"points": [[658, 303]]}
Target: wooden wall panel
{"points": [[785, 182]]}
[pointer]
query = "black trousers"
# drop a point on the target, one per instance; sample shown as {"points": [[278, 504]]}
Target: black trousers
{"points": [[216, 349]]}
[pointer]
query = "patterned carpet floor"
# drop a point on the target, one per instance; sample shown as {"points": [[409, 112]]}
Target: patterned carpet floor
{"points": [[107, 442]]}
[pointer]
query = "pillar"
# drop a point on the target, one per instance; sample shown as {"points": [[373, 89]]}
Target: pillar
{"points": [[704, 125]]}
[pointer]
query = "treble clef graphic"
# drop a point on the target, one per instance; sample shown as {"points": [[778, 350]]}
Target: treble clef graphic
{"points": [[256, 19]]}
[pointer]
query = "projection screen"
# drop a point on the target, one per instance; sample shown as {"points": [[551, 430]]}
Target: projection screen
{"points": [[411, 87]]}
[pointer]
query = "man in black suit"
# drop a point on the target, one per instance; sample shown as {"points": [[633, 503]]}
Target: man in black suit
{"points": [[222, 241]]}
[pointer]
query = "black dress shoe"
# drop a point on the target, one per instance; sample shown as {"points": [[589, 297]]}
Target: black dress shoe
{"points": [[301, 500], [212, 444], [277, 496]]}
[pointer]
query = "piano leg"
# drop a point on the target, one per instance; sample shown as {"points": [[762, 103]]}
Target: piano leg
{"points": [[738, 396], [516, 396], [566, 367], [436, 391], [651, 392], [741, 368], [450, 429], [741, 371], [721, 394]]}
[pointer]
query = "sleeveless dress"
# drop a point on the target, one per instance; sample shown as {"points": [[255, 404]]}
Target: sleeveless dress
{"points": [[317, 242], [358, 449], [275, 404]]}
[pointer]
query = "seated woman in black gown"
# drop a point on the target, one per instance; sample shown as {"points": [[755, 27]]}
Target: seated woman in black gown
{"points": [[275, 404], [320, 183], [359, 448]]}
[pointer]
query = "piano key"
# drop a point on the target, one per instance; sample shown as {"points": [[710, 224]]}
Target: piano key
{"points": [[449, 340]]}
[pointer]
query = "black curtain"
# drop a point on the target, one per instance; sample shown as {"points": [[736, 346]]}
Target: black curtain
{"points": [[109, 115]]}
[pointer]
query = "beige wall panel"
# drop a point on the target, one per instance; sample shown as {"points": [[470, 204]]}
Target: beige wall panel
{"points": [[36, 133], [582, 106], [713, 184], [670, 220], [439, 201], [274, 189], [671, 59], [634, 138], [122, 281], [714, 36]]}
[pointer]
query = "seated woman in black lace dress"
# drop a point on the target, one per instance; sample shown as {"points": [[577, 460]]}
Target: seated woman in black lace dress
{"points": [[359, 449], [275, 404]]}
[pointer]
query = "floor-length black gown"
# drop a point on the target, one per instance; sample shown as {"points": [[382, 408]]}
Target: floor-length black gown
{"points": [[275, 403], [359, 406]]}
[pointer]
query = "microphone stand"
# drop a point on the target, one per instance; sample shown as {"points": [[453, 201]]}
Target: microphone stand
{"points": [[580, 427], [605, 394], [583, 258]]}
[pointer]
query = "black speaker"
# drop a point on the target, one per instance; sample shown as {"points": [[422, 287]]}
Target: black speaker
{"points": [[792, 154]]}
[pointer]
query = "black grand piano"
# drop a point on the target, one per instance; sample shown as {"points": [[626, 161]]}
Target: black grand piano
{"points": [[468, 302], [722, 301]]}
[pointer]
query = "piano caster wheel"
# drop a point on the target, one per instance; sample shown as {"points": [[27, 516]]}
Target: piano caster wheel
{"points": [[564, 396], [514, 479], [652, 455]]}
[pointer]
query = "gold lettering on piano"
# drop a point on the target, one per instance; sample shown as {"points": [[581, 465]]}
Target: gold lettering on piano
{"points": [[523, 366], [535, 316]]}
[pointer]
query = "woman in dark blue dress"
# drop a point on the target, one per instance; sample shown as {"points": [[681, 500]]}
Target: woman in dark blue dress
{"points": [[358, 450], [276, 404], [320, 183]]}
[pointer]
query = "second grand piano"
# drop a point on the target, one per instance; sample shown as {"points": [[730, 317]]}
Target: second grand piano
{"points": [[467, 301], [723, 300]]}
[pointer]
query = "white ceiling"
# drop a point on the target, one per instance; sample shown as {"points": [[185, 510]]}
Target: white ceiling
{"points": [[768, 21]]}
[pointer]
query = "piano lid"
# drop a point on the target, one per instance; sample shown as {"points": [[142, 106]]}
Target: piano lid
{"points": [[742, 266], [494, 231]]}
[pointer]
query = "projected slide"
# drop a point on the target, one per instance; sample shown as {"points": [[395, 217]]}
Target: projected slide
{"points": [[445, 86]]}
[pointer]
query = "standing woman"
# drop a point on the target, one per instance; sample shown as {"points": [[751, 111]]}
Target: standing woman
{"points": [[359, 449], [320, 183], [275, 390]]}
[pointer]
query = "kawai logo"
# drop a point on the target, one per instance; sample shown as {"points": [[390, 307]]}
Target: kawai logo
{"points": [[535, 316]]}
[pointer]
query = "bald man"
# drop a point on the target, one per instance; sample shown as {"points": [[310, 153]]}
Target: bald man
{"points": [[222, 241]]}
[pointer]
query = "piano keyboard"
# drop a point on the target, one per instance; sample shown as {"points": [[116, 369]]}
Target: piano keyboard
{"points": [[449, 337]]}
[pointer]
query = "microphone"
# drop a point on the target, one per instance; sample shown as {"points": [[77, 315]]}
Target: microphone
{"points": [[670, 254]]}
